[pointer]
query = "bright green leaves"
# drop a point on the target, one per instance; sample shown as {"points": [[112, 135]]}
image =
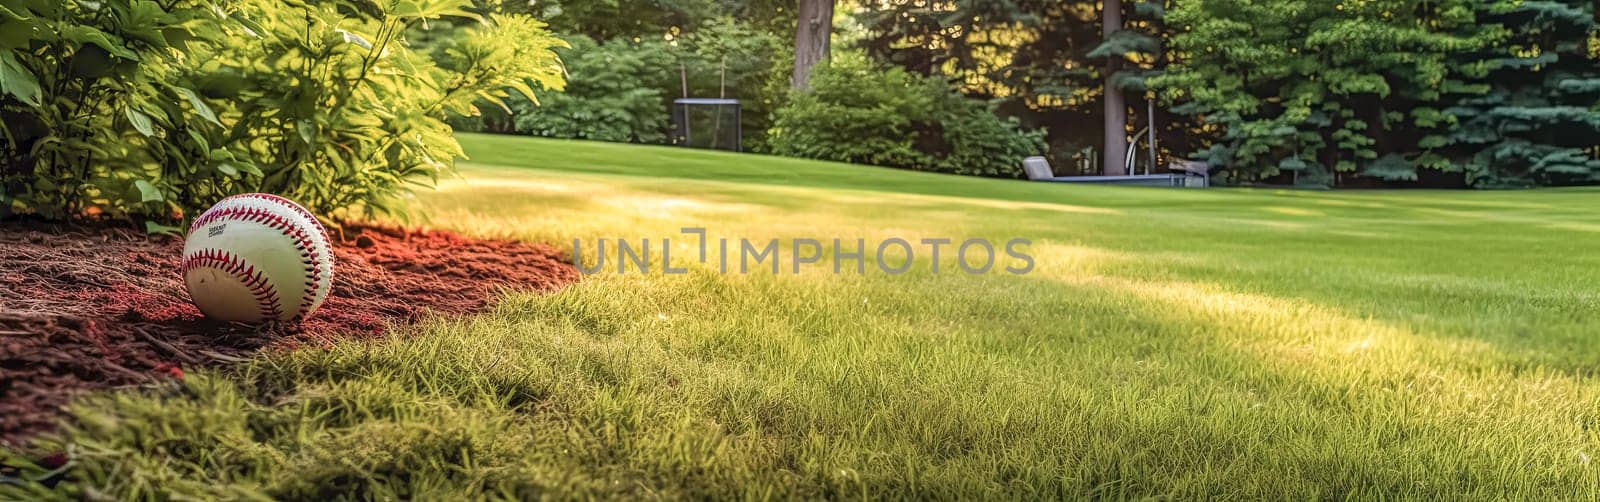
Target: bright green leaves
{"points": [[339, 111], [153, 228], [225, 162], [431, 9], [199, 105], [140, 122], [492, 59], [152, 110], [148, 191], [307, 129], [92, 126], [17, 81], [353, 38], [82, 35]]}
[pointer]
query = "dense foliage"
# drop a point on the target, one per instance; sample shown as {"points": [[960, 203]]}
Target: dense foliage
{"points": [[855, 112], [616, 95], [622, 90], [646, 53], [1042, 61], [1538, 107], [1316, 92], [98, 114], [649, 19], [142, 109], [1331, 91], [133, 107], [744, 50]]}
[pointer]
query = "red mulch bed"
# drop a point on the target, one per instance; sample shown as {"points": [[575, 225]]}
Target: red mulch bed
{"points": [[86, 307]]}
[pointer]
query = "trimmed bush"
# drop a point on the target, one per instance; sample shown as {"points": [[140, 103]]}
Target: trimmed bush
{"points": [[977, 141], [855, 112]]}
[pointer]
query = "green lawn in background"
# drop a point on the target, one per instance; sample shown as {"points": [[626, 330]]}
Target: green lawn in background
{"points": [[1170, 343]]}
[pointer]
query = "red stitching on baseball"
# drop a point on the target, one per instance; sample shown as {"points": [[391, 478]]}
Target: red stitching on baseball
{"points": [[285, 202], [313, 283], [302, 242], [266, 296]]}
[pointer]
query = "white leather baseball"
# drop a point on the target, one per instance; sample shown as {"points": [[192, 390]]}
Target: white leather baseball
{"points": [[257, 257]]}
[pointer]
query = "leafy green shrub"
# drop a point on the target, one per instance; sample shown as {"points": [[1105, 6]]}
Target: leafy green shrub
{"points": [[133, 108], [98, 114], [342, 113], [614, 95], [979, 142], [854, 112], [622, 90]]}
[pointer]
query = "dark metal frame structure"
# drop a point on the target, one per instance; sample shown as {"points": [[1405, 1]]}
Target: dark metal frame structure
{"points": [[684, 133]]}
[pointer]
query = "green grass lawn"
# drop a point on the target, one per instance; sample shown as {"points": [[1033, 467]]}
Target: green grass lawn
{"points": [[1170, 343]]}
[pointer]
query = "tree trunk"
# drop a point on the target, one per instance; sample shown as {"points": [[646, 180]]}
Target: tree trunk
{"points": [[1150, 104], [1150, 140], [811, 39], [1116, 119]]}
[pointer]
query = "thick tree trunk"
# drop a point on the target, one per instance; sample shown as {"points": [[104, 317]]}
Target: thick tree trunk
{"points": [[1150, 140], [1116, 119], [811, 39]]}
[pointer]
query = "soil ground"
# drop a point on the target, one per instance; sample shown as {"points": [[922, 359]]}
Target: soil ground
{"points": [[93, 307]]}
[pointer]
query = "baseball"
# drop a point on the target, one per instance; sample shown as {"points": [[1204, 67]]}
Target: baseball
{"points": [[257, 257]]}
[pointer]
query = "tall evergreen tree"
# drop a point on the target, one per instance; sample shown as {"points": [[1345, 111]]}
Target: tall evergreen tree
{"points": [[1538, 118], [1321, 91]]}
